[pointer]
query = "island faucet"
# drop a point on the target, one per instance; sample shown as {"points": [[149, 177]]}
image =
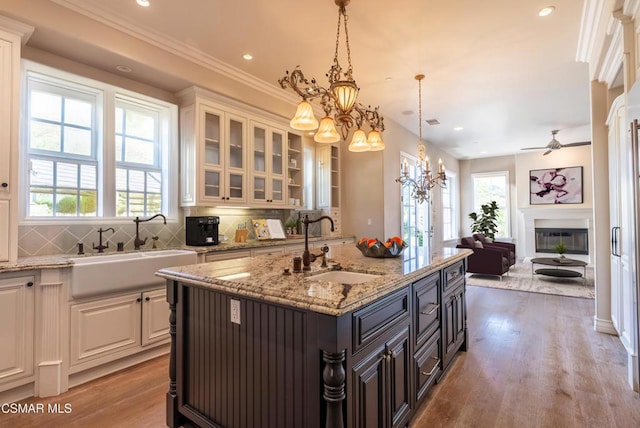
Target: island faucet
{"points": [[307, 257], [101, 247], [137, 242]]}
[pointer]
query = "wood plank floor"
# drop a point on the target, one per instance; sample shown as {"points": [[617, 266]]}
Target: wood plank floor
{"points": [[534, 361]]}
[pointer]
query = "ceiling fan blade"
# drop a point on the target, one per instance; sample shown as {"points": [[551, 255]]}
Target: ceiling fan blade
{"points": [[581, 143], [547, 152], [533, 148]]}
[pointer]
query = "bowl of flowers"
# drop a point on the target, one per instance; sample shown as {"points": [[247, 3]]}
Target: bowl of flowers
{"points": [[373, 247]]}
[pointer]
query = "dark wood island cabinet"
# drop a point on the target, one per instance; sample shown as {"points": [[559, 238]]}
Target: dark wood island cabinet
{"points": [[253, 346]]}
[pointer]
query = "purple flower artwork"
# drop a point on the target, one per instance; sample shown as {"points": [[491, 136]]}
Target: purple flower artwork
{"points": [[555, 186]]}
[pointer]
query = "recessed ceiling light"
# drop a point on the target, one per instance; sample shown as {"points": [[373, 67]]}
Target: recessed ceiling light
{"points": [[123, 68], [143, 3], [483, 152], [388, 78], [458, 128], [311, 133], [247, 56], [545, 11]]}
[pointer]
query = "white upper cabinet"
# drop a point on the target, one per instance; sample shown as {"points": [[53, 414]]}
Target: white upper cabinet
{"points": [[213, 146], [231, 154], [12, 33], [268, 154]]}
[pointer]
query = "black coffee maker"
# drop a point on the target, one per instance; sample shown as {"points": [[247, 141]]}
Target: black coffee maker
{"points": [[202, 230]]}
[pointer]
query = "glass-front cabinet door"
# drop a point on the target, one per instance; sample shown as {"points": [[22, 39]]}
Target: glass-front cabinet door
{"points": [[212, 159], [235, 185], [277, 164], [267, 165]]}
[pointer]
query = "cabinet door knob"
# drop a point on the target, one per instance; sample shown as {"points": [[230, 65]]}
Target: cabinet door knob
{"points": [[435, 308], [5, 184], [30, 284], [139, 299], [147, 298]]}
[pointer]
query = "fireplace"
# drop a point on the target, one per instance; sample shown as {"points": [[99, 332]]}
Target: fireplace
{"points": [[576, 241]]}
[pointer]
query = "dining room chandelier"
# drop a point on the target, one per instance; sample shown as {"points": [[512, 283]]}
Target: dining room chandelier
{"points": [[425, 180], [339, 102]]}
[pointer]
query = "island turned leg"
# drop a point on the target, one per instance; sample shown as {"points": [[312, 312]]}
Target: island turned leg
{"points": [[173, 417], [334, 377]]}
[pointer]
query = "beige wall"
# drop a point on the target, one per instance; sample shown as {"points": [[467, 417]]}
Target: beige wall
{"points": [[491, 164], [369, 189]]}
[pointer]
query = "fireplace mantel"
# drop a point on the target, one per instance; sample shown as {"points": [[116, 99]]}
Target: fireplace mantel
{"points": [[554, 216]]}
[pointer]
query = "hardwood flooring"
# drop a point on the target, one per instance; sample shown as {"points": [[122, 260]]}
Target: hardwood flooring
{"points": [[533, 361]]}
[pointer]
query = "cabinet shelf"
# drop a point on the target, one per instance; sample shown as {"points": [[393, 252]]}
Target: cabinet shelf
{"points": [[293, 150], [293, 168], [294, 185]]}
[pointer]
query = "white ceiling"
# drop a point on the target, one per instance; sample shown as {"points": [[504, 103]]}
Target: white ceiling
{"points": [[493, 67]]}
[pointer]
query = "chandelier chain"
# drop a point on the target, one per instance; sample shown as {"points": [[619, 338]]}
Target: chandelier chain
{"points": [[420, 109], [341, 14]]}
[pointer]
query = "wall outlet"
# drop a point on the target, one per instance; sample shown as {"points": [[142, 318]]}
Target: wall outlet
{"points": [[368, 222], [235, 311]]}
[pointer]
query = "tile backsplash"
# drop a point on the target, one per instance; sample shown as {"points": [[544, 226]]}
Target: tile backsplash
{"points": [[41, 240]]}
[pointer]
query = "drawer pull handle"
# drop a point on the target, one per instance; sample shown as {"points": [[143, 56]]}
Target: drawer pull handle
{"points": [[454, 274], [435, 308], [433, 370]]}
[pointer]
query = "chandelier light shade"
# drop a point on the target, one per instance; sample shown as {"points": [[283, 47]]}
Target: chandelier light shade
{"points": [[424, 181], [327, 132], [375, 141], [304, 120], [339, 102], [359, 142]]}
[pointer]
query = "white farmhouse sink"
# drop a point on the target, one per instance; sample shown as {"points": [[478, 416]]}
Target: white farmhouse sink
{"points": [[100, 274], [343, 277]]}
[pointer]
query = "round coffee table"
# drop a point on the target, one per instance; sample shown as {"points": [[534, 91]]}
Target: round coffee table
{"points": [[559, 264]]}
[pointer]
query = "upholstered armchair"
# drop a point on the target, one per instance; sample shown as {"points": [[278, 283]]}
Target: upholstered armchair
{"points": [[485, 260], [492, 244]]}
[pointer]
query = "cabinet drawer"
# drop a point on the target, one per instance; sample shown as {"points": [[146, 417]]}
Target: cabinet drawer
{"points": [[428, 365], [453, 276], [375, 319], [227, 255], [426, 301]]}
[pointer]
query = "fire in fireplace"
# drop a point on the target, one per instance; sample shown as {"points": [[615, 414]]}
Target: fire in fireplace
{"points": [[576, 241]]}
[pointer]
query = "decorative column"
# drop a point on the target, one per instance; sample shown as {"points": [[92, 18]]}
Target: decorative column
{"points": [[334, 377], [52, 378]]}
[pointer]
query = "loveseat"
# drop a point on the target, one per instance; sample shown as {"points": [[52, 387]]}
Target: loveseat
{"points": [[485, 260]]}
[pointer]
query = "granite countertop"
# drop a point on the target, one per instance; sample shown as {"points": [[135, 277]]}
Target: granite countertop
{"points": [[262, 278], [63, 260]]}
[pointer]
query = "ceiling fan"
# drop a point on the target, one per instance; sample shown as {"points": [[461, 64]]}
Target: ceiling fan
{"points": [[556, 145]]}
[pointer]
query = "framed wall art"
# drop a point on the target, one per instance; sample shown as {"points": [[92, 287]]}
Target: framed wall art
{"points": [[555, 186]]}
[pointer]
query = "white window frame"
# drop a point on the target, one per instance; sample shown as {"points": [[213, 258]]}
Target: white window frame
{"points": [[507, 208], [454, 215], [105, 145]]}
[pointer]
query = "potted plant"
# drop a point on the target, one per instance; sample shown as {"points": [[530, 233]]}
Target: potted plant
{"points": [[485, 222], [560, 249]]}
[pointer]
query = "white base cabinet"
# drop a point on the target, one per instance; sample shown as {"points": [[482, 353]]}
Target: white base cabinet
{"points": [[17, 298], [111, 328]]}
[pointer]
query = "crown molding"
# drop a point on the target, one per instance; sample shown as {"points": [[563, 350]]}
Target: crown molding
{"points": [[592, 14], [178, 48], [20, 29], [614, 56]]}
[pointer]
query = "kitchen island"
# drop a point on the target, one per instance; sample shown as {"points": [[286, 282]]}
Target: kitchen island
{"points": [[256, 345]]}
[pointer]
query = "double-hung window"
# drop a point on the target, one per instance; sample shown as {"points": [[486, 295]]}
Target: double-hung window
{"points": [[94, 150], [493, 186], [62, 147]]}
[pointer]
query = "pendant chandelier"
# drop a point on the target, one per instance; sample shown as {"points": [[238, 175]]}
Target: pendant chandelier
{"points": [[339, 102], [425, 181]]}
